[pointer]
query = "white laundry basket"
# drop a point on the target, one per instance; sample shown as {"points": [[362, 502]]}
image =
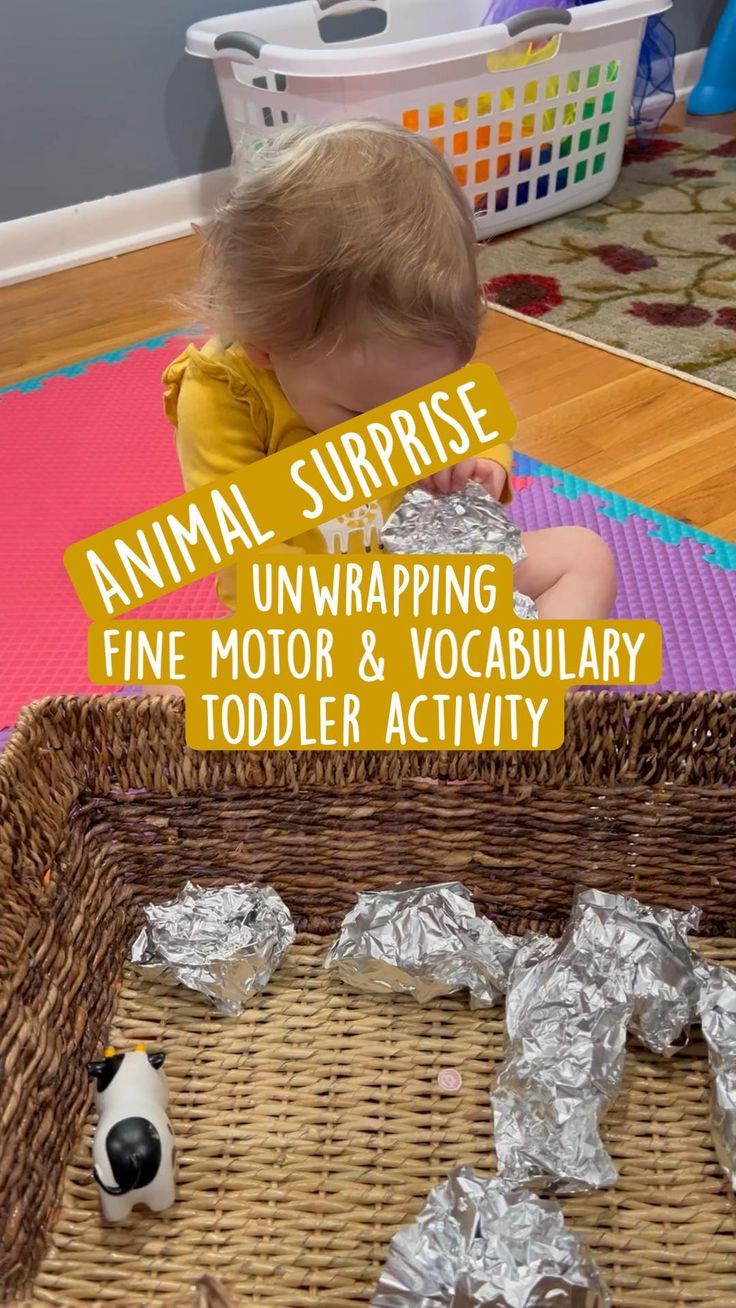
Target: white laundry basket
{"points": [[526, 140]]}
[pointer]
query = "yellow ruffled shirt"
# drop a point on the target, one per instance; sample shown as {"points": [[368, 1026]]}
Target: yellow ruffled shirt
{"points": [[228, 413]]}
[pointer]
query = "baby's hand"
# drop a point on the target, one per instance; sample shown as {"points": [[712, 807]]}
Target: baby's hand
{"points": [[491, 476]]}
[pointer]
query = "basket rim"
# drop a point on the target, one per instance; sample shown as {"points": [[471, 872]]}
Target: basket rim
{"points": [[106, 742], [363, 57]]}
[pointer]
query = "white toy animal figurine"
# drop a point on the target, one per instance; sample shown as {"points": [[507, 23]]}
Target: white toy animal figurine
{"points": [[133, 1149]]}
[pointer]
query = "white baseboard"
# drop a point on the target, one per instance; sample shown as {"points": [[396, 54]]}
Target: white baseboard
{"points": [[688, 67], [64, 238]]}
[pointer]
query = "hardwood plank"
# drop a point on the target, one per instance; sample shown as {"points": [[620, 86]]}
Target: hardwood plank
{"points": [[91, 310], [677, 117], [725, 527], [542, 369], [702, 501], [683, 465], [593, 413], [502, 330], [627, 437]]}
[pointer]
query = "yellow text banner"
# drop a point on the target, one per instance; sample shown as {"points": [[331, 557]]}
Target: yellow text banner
{"points": [[376, 652], [461, 416]]}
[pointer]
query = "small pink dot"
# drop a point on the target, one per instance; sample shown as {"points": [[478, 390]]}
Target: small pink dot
{"points": [[449, 1079]]}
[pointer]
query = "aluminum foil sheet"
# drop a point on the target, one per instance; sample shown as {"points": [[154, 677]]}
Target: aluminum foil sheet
{"points": [[425, 941], [485, 1244], [665, 984], [524, 607], [466, 522], [718, 1017], [223, 942], [619, 965]]}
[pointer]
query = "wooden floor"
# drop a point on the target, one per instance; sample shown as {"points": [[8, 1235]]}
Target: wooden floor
{"points": [[652, 437]]}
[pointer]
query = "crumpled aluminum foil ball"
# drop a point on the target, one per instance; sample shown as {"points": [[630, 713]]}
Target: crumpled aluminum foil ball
{"points": [[485, 1244], [424, 941], [619, 966], [466, 522], [665, 985], [718, 1018], [223, 942]]}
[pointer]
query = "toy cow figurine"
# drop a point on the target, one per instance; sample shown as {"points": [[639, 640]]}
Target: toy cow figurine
{"points": [[133, 1150]]}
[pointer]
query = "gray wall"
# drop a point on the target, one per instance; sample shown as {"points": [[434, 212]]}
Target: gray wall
{"points": [[693, 21], [97, 96]]}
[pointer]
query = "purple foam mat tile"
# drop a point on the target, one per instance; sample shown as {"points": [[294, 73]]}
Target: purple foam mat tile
{"points": [[695, 604]]}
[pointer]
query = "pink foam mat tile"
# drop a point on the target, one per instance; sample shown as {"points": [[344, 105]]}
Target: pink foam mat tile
{"points": [[694, 602], [81, 449]]}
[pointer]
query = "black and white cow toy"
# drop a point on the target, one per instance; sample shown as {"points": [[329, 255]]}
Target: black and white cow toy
{"points": [[133, 1149]]}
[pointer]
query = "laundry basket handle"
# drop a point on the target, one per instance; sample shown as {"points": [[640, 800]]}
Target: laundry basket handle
{"points": [[245, 41], [324, 5], [544, 17]]}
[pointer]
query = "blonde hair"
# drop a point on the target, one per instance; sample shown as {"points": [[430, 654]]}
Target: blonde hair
{"points": [[340, 230]]}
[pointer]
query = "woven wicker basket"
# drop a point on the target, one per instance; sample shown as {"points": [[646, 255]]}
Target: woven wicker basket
{"points": [[312, 1127]]}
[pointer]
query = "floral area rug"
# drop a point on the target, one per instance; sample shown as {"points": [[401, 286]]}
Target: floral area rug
{"points": [[650, 270]]}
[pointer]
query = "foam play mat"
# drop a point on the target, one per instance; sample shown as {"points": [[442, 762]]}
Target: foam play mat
{"points": [[89, 445]]}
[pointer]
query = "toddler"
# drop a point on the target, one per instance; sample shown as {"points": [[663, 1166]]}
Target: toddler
{"points": [[340, 275]]}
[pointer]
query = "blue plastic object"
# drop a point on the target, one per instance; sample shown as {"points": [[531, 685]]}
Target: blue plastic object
{"points": [[715, 92]]}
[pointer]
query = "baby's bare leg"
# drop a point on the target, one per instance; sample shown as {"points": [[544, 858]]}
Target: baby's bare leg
{"points": [[569, 571]]}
